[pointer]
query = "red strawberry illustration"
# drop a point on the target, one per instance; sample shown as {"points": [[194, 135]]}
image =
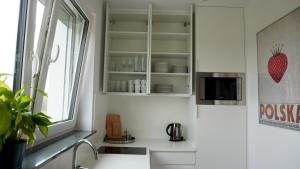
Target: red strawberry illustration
{"points": [[277, 64]]}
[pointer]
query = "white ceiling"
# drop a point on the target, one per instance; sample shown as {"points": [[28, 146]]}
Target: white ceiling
{"points": [[173, 4]]}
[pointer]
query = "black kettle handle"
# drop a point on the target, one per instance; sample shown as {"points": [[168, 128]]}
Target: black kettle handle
{"points": [[167, 129]]}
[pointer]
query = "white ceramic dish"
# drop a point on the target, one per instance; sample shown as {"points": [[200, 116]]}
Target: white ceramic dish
{"points": [[179, 69]]}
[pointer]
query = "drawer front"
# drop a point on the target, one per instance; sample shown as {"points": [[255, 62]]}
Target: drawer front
{"points": [[173, 167], [172, 158]]}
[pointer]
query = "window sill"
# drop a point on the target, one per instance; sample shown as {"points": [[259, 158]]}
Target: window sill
{"points": [[48, 151]]}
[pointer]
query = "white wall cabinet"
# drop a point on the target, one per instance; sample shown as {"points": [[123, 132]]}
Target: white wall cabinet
{"points": [[137, 40], [220, 130], [219, 39], [173, 160]]}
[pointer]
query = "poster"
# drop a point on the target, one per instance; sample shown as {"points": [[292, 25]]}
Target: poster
{"points": [[279, 72]]}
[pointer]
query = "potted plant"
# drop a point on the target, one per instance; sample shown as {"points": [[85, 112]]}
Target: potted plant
{"points": [[18, 124]]}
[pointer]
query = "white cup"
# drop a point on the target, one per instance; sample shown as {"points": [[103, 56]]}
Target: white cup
{"points": [[130, 86], [137, 85], [143, 86]]}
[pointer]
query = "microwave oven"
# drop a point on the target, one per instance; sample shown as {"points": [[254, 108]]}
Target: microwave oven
{"points": [[214, 88]]}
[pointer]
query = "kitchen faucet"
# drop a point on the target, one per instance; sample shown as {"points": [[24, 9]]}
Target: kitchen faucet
{"points": [[75, 152]]}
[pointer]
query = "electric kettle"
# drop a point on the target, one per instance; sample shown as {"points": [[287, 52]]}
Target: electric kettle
{"points": [[174, 131]]}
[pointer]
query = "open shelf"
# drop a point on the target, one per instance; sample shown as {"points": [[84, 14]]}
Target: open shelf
{"points": [[128, 35], [128, 16], [171, 94], [170, 17], [126, 94], [127, 73], [170, 55], [170, 74], [126, 53], [170, 36]]}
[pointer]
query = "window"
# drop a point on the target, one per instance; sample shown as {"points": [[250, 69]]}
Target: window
{"points": [[62, 64], [57, 43], [42, 43], [8, 34]]}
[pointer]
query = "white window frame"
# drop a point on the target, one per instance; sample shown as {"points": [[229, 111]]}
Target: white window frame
{"points": [[48, 28]]}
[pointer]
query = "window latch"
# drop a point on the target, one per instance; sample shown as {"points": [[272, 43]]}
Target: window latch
{"points": [[56, 55], [36, 68]]}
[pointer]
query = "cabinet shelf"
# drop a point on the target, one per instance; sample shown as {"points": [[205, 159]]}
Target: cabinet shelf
{"points": [[170, 74], [171, 55], [128, 16], [145, 94], [126, 53], [170, 17], [171, 94], [170, 36], [127, 73], [126, 94], [128, 35]]}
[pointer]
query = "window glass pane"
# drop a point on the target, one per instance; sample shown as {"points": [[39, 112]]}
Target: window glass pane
{"points": [[40, 7], [8, 34], [62, 68]]}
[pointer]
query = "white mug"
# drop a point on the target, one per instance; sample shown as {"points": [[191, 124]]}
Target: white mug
{"points": [[137, 85], [143, 86], [130, 86]]}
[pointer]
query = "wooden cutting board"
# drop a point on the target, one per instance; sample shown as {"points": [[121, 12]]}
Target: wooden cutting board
{"points": [[113, 126]]}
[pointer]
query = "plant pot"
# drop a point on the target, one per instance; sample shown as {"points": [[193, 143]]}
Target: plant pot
{"points": [[11, 156]]}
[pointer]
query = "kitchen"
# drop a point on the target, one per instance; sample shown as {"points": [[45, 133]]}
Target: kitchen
{"points": [[216, 136]]}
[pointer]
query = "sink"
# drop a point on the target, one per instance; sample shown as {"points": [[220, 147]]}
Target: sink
{"points": [[122, 150]]}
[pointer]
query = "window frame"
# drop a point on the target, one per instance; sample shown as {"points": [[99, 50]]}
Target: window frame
{"points": [[68, 125], [20, 45]]}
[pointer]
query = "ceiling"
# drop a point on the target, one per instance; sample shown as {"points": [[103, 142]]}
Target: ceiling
{"points": [[173, 4]]}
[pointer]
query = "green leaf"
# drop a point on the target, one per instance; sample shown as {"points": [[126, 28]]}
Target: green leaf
{"points": [[5, 118], [42, 114], [27, 121], [40, 91], [18, 119], [7, 93], [23, 102], [20, 92], [8, 133], [30, 134], [5, 74], [44, 130], [41, 120]]}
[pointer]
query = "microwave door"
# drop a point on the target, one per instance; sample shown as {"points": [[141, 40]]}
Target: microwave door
{"points": [[239, 83], [202, 87]]}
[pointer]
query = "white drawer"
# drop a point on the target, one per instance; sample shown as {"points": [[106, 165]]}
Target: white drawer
{"points": [[173, 167], [173, 158]]}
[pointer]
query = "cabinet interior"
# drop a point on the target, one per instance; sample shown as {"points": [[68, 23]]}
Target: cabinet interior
{"points": [[147, 38]]}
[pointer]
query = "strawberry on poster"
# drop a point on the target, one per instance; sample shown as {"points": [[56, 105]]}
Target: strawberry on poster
{"points": [[278, 47]]}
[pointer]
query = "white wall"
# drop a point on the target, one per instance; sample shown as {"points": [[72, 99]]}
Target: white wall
{"points": [[147, 117], [268, 147]]}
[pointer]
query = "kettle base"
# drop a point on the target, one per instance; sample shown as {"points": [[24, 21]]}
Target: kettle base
{"points": [[177, 140]]}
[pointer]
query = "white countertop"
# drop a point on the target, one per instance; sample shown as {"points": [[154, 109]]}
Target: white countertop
{"points": [[118, 161], [157, 145]]}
